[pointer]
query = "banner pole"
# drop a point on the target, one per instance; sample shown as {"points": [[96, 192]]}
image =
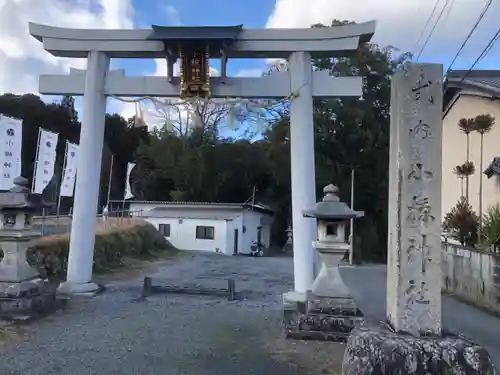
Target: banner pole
{"points": [[62, 178], [110, 180], [35, 164]]}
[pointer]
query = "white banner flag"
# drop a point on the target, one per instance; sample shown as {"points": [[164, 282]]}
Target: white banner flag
{"points": [[11, 141], [46, 160], [69, 173], [128, 190]]}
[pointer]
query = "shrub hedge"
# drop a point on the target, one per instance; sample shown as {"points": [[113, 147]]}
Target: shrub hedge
{"points": [[49, 255]]}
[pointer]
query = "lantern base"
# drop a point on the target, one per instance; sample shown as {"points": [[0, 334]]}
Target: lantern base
{"points": [[321, 318], [27, 300]]}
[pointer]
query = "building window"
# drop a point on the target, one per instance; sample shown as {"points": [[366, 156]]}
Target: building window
{"points": [[164, 229], [205, 233]]}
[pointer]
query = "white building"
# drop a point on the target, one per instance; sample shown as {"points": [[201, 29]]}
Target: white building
{"points": [[466, 95], [227, 228]]}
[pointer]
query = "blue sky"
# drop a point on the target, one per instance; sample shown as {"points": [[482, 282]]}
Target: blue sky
{"points": [[399, 24], [257, 13], [197, 13]]}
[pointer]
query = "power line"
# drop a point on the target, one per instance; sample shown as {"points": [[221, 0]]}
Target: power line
{"points": [[478, 21], [483, 54], [433, 29], [447, 15], [496, 37], [427, 23]]}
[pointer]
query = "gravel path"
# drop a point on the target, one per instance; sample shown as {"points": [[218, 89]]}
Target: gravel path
{"points": [[172, 334]]}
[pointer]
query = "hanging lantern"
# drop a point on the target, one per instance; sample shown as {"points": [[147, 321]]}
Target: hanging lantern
{"points": [[195, 72], [195, 46]]}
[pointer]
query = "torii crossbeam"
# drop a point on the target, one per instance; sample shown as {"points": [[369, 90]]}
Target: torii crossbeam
{"points": [[194, 46]]}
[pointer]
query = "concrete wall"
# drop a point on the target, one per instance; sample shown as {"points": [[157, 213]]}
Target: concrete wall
{"points": [[231, 226], [184, 219], [472, 275], [250, 222], [455, 153], [183, 234]]}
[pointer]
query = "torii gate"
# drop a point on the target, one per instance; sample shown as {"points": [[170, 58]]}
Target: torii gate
{"points": [[194, 46]]}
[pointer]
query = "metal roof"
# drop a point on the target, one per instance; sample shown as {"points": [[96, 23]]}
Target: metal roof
{"points": [[481, 81], [257, 206], [493, 168], [249, 43], [164, 212], [195, 32], [215, 37]]}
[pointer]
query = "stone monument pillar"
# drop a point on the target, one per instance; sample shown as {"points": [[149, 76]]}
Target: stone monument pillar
{"points": [[413, 329], [22, 292], [330, 312]]}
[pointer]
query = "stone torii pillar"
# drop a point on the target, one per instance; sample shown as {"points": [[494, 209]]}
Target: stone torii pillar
{"points": [[82, 240], [296, 45], [303, 169]]}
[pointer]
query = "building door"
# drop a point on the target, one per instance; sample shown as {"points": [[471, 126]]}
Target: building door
{"points": [[235, 245], [259, 236]]}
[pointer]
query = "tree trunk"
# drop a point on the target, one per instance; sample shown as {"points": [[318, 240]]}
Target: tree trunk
{"points": [[467, 177], [480, 229]]}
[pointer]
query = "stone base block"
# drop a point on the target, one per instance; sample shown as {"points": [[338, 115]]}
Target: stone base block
{"points": [[380, 351], [328, 323], [21, 289], [27, 300], [332, 306], [322, 327], [321, 318]]}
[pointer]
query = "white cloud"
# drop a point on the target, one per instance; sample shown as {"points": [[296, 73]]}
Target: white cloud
{"points": [[173, 15], [399, 23], [23, 58]]}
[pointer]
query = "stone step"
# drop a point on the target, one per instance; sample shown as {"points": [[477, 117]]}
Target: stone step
{"points": [[310, 335], [333, 306], [337, 311], [327, 322]]}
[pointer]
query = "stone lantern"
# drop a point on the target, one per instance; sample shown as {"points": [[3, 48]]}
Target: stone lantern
{"points": [[20, 286], [330, 312], [332, 217]]}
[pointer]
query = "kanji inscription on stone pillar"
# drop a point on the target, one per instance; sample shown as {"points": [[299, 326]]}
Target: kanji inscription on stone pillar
{"points": [[414, 253]]}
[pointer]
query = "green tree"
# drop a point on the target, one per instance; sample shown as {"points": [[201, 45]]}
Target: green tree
{"points": [[482, 124], [68, 103], [349, 133], [61, 117], [462, 222], [492, 227], [463, 172], [466, 126]]}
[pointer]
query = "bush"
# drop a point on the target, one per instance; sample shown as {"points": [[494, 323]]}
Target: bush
{"points": [[491, 227], [49, 255], [462, 222]]}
